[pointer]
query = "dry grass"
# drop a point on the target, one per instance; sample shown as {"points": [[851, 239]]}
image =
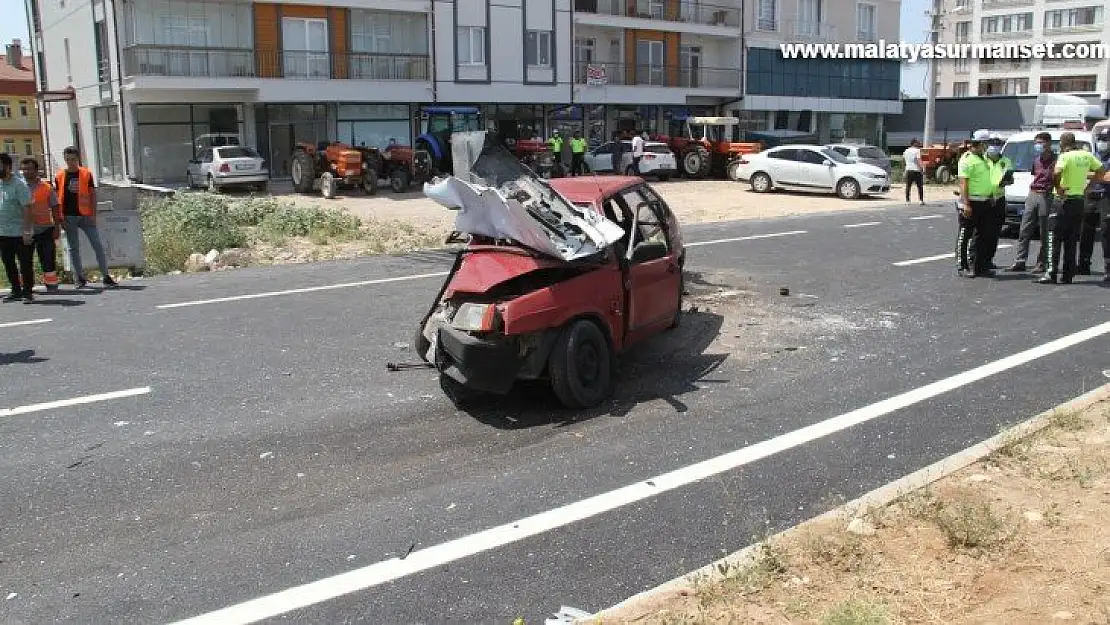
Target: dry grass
{"points": [[1018, 538]]}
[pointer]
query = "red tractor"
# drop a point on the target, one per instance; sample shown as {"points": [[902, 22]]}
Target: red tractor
{"points": [[333, 166], [403, 165], [536, 154], [705, 148]]}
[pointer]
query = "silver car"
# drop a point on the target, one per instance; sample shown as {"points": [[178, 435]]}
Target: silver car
{"points": [[861, 153]]}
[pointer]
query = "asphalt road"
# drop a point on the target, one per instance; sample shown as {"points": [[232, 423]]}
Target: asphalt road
{"points": [[248, 446]]}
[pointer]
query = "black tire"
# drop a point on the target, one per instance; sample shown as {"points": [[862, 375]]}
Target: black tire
{"points": [[369, 182], [581, 366], [663, 178], [696, 161], [400, 180], [303, 171], [761, 183], [848, 188], [678, 312], [261, 187]]}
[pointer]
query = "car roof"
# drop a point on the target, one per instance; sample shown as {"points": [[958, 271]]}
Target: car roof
{"points": [[1080, 135], [592, 188], [796, 146]]}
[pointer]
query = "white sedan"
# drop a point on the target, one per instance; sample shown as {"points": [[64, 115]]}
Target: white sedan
{"points": [[658, 161], [227, 166], [809, 168]]}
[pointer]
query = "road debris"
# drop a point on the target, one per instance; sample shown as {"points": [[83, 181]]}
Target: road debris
{"points": [[567, 615], [406, 366], [265, 455]]}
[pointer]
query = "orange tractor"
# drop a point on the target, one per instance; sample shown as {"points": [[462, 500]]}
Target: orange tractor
{"points": [[940, 161], [332, 166], [705, 148]]}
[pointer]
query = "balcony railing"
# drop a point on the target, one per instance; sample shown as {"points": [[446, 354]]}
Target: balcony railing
{"points": [[691, 12], [812, 31], [239, 63], [656, 76], [1005, 67], [999, 4], [1073, 28], [1012, 34]]}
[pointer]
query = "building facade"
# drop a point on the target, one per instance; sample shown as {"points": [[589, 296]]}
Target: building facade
{"points": [[164, 76], [1023, 21], [19, 119]]}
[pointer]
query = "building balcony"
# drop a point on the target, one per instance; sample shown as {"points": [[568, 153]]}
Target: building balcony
{"points": [[811, 31], [1005, 4], [184, 62], [658, 76], [1073, 29], [690, 13], [1005, 68], [1001, 36]]}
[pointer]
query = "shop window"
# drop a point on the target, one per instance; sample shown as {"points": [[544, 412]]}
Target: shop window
{"points": [[169, 136], [1066, 84]]}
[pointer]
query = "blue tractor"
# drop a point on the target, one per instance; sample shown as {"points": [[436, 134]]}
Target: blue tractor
{"points": [[437, 124]]}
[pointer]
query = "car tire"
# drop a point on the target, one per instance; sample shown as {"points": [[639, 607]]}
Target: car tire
{"points": [[261, 187], [663, 178], [212, 186], [581, 366], [678, 311], [848, 188], [761, 183]]}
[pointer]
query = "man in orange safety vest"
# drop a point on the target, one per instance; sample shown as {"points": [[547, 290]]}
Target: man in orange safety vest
{"points": [[46, 215], [77, 189]]}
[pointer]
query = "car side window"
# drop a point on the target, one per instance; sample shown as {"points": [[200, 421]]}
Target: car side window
{"points": [[206, 156], [842, 151], [811, 157], [650, 236], [784, 155], [605, 149]]}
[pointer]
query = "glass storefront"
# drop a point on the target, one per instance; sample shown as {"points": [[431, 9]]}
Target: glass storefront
{"points": [[280, 127], [865, 127], [633, 119], [169, 135], [516, 121], [374, 125]]}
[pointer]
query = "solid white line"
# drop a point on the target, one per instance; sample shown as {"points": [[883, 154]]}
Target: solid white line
{"points": [[76, 401], [864, 224], [926, 217], [747, 238], [929, 259], [327, 287], [12, 324], [389, 570]]}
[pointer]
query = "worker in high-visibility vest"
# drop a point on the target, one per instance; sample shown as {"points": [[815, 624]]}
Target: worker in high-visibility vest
{"points": [[978, 225], [577, 154], [46, 216], [77, 188], [556, 145]]}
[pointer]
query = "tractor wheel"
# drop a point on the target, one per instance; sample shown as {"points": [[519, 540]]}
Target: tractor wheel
{"points": [[942, 175], [400, 180], [303, 171], [369, 182], [328, 185], [696, 162]]}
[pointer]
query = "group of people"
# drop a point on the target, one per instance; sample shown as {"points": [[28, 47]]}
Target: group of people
{"points": [[1065, 187], [578, 147], [34, 213]]}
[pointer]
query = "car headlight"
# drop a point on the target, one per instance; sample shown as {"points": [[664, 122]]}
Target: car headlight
{"points": [[877, 176], [474, 317]]}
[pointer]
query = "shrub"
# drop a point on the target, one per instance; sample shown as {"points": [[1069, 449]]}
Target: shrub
{"points": [[320, 225], [252, 211], [184, 224]]}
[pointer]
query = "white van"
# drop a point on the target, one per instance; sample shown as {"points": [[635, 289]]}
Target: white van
{"points": [[1019, 149]]}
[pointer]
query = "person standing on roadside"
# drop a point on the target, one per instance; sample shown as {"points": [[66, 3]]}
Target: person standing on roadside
{"points": [[1098, 213], [977, 221], [1002, 175], [1071, 182], [637, 151], [577, 154], [1038, 204], [618, 152], [915, 173], [46, 215], [15, 233], [78, 190]]}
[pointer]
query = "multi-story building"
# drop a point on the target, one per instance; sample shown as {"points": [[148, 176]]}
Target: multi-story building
{"points": [[162, 75], [19, 118], [1023, 21]]}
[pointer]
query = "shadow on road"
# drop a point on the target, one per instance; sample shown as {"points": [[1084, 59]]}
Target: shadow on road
{"points": [[25, 357], [54, 301], [668, 367]]}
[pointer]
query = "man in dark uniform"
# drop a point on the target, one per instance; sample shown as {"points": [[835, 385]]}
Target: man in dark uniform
{"points": [[1098, 213], [978, 223]]}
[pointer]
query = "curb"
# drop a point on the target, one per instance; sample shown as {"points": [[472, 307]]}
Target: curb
{"points": [[877, 498]]}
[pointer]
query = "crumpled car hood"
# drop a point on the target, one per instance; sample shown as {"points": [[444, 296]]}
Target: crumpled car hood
{"points": [[505, 200]]}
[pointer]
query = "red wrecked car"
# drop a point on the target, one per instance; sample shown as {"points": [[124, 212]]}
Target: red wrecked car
{"points": [[558, 277]]}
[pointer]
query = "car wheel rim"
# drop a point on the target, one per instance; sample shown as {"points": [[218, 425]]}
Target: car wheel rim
{"points": [[760, 183]]}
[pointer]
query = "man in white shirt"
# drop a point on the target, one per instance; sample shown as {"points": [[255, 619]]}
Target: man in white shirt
{"points": [[915, 173], [637, 151]]}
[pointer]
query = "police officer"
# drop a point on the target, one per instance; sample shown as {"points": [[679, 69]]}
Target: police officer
{"points": [[1072, 167], [577, 154], [556, 145], [1002, 175], [1098, 213], [978, 223]]}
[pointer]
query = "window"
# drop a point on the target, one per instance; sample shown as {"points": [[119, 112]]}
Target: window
{"points": [[383, 32], [228, 26], [100, 47], [1021, 152], [767, 15], [963, 65], [810, 157], [649, 232], [1018, 22], [809, 18], [109, 155], [472, 45], [1004, 86], [537, 48], [1064, 84], [5, 109], [305, 47], [236, 152], [69, 64], [1004, 65], [23, 108], [963, 31], [788, 154], [1068, 18], [584, 50], [28, 147], [841, 150], [649, 62], [961, 89], [9, 146], [865, 20]]}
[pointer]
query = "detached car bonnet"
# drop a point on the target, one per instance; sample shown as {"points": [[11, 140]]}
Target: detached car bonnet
{"points": [[502, 199]]}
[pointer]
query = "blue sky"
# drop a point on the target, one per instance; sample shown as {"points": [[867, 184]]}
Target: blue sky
{"points": [[914, 24]]}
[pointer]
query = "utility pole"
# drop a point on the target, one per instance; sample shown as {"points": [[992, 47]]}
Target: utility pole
{"points": [[931, 89]]}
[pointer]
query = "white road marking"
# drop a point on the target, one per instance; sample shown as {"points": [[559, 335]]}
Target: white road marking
{"points": [[929, 259], [12, 324], [76, 401], [864, 224], [386, 571], [920, 217], [747, 238], [327, 287]]}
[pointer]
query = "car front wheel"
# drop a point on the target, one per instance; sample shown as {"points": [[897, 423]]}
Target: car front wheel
{"points": [[848, 189], [581, 366]]}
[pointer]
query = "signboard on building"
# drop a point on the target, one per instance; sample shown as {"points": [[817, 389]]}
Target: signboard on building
{"points": [[596, 76], [121, 234]]}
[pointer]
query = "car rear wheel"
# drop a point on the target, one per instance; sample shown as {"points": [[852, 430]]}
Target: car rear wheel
{"points": [[761, 183], [581, 366], [848, 189]]}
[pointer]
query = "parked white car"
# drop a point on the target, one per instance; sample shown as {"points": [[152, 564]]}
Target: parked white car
{"points": [[228, 166], [1019, 149], [812, 168], [658, 162]]}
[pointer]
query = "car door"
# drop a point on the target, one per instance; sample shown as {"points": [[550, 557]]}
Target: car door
{"points": [[203, 164], [654, 276], [781, 164], [601, 159], [814, 172]]}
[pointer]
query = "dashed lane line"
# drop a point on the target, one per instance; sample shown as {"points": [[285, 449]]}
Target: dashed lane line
{"points": [[929, 259], [752, 237], [29, 322], [74, 401]]}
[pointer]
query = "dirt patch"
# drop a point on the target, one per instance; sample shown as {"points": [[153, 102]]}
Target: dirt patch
{"points": [[1020, 537]]}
